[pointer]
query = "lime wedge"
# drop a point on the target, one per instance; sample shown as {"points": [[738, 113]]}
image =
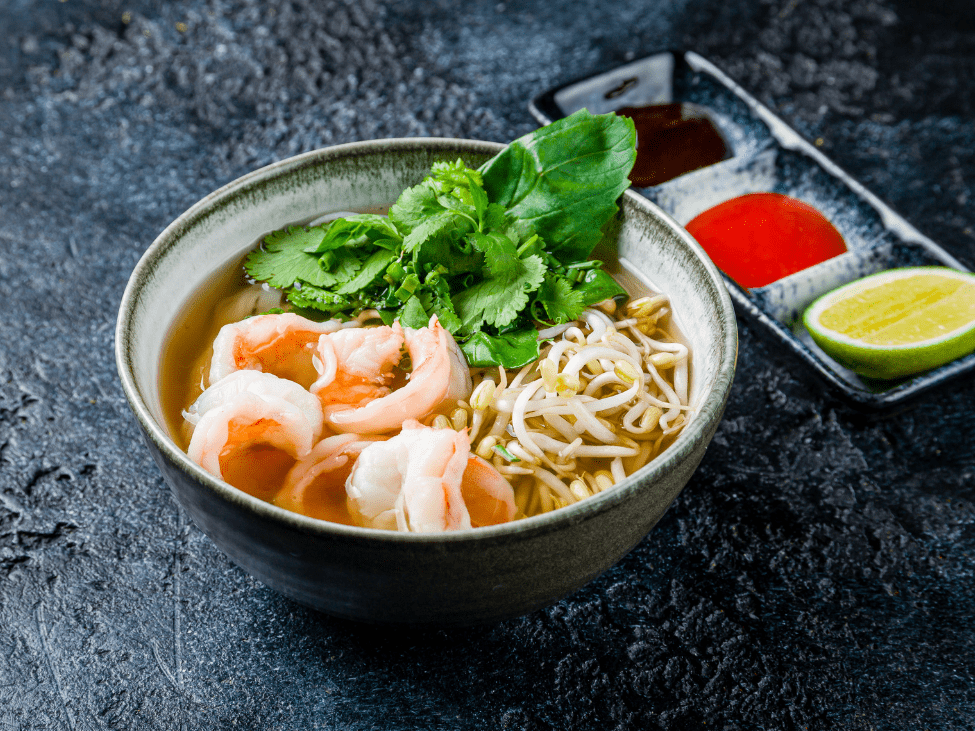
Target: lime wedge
{"points": [[897, 322]]}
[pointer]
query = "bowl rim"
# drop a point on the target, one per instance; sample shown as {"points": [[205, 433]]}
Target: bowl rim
{"points": [[709, 410]]}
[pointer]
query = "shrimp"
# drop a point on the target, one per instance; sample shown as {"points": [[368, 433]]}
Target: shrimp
{"points": [[282, 344], [487, 495], [355, 365], [265, 385], [315, 486], [251, 427], [418, 481], [440, 374]]}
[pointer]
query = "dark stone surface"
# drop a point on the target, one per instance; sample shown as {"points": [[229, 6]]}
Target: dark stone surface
{"points": [[817, 571]]}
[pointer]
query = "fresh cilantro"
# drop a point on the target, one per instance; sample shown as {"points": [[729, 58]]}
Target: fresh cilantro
{"points": [[500, 255], [562, 303], [489, 251], [442, 304], [338, 266], [375, 265], [316, 298], [413, 314], [359, 230], [497, 301], [438, 225], [282, 260], [415, 206]]}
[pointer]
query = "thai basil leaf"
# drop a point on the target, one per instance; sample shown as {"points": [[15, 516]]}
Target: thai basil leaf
{"points": [[510, 350], [564, 179], [596, 286]]}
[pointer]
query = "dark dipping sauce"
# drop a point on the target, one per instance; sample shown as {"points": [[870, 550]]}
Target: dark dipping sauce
{"points": [[672, 139]]}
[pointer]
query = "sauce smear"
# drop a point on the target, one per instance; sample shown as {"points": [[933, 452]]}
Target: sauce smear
{"points": [[759, 238], [672, 139]]}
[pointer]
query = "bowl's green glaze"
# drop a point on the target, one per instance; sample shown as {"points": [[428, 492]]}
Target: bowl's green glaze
{"points": [[462, 577]]}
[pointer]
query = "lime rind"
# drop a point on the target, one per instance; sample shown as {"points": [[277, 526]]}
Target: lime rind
{"points": [[889, 362]]}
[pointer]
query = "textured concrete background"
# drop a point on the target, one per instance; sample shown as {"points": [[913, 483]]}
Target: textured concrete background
{"points": [[817, 571]]}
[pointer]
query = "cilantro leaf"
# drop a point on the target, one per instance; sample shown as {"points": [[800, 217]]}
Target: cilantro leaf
{"points": [[445, 224], [479, 201], [442, 304], [447, 252], [562, 303], [413, 315], [462, 190], [362, 228], [338, 266], [373, 266], [449, 203], [498, 301], [455, 175], [316, 298], [421, 213], [282, 260], [415, 205], [500, 256]]}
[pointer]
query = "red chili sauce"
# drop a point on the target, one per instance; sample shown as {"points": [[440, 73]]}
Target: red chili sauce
{"points": [[672, 139], [759, 238]]}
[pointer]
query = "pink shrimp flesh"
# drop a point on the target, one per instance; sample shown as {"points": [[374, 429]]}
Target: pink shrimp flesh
{"points": [[411, 482], [266, 386], [252, 429], [487, 495], [440, 374], [355, 365], [282, 344], [315, 486], [418, 481]]}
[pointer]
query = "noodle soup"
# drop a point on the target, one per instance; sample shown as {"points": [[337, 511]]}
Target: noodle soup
{"points": [[538, 426], [362, 574], [354, 386]]}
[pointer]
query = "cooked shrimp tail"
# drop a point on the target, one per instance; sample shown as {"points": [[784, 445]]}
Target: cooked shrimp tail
{"points": [[487, 494]]}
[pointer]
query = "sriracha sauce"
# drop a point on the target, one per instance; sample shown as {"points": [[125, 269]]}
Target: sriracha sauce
{"points": [[759, 238]]}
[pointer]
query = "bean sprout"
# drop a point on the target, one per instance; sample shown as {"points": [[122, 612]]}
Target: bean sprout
{"points": [[608, 394]]}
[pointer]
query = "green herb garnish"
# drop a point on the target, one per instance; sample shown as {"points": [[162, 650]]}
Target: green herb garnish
{"points": [[488, 251], [505, 453]]}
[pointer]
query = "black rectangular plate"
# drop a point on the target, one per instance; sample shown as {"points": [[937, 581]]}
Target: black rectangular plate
{"points": [[769, 156]]}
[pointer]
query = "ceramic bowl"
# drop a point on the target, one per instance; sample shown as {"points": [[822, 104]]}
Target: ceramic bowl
{"points": [[461, 577]]}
